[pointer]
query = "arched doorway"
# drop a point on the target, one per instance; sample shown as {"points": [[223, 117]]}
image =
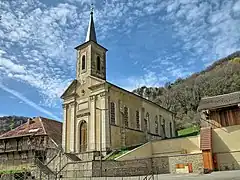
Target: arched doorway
{"points": [[83, 136]]}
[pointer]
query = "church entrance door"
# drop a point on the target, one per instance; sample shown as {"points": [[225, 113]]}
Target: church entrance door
{"points": [[83, 136]]}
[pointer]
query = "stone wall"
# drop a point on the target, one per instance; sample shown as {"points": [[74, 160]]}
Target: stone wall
{"points": [[195, 159], [158, 165], [131, 168], [121, 168]]}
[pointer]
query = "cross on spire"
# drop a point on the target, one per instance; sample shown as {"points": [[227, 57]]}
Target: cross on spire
{"points": [[92, 8]]}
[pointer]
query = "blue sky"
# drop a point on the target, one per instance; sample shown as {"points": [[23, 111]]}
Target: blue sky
{"points": [[150, 42]]}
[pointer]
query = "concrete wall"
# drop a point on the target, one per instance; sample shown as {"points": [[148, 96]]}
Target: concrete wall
{"points": [[184, 145], [167, 147], [227, 147], [132, 137], [144, 151]]}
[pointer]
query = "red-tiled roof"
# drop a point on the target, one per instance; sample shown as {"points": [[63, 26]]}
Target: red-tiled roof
{"points": [[53, 129], [37, 126]]}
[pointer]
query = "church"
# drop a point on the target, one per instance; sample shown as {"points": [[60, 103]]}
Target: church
{"points": [[100, 116]]}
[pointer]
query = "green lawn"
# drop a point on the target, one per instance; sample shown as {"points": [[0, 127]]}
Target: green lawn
{"points": [[191, 131], [121, 152], [117, 154]]}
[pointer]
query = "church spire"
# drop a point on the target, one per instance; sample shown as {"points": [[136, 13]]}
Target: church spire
{"points": [[91, 34]]}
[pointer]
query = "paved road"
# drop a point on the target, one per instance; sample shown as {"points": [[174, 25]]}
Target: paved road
{"points": [[222, 175]]}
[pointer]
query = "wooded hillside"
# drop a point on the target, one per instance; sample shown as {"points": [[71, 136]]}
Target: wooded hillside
{"points": [[184, 95], [10, 122]]}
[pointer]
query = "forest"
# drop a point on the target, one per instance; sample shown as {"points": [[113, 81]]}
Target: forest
{"points": [[183, 95]]}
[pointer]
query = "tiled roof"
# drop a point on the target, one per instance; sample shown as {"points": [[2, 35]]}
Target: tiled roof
{"points": [[219, 101], [53, 129], [206, 138], [37, 126]]}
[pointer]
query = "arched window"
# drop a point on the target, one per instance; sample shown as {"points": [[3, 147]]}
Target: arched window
{"points": [[156, 125], [126, 116], [112, 112], [137, 119], [83, 62], [163, 126], [83, 136], [170, 129], [98, 63], [146, 121]]}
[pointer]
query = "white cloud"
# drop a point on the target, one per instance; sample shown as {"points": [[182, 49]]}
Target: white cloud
{"points": [[208, 28], [149, 78], [236, 8], [10, 66], [38, 40]]}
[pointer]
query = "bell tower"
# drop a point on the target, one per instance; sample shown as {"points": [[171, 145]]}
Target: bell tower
{"points": [[91, 56]]}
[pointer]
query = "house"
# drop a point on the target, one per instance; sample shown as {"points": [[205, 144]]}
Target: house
{"points": [[35, 141], [220, 111], [220, 131]]}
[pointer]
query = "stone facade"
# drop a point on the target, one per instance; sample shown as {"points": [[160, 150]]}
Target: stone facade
{"points": [[99, 116]]}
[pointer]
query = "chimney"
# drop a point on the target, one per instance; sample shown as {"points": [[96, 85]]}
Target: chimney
{"points": [[29, 121]]}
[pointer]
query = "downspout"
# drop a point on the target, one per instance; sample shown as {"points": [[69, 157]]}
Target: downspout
{"points": [[109, 114], [75, 115]]}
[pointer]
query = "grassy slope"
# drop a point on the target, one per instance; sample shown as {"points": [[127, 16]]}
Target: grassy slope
{"points": [[194, 130]]}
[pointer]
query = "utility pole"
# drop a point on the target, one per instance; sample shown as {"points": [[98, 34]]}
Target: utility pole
{"points": [[101, 138]]}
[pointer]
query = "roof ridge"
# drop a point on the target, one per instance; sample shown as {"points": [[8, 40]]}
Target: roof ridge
{"points": [[40, 118], [221, 95], [137, 95]]}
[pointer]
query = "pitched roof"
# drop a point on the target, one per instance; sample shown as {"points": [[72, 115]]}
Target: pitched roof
{"points": [[91, 34], [220, 101], [37, 126], [53, 129], [72, 85]]}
